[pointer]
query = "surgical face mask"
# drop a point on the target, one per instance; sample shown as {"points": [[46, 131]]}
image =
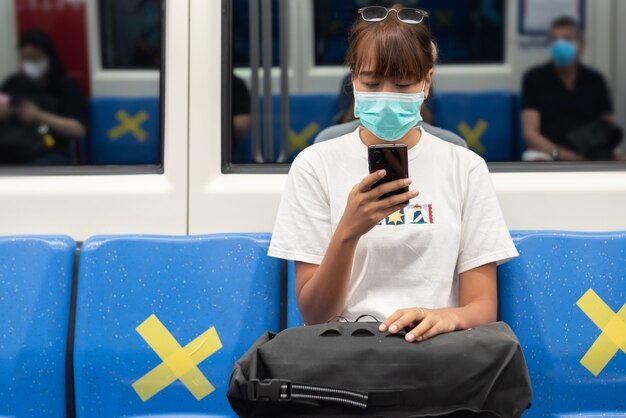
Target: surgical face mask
{"points": [[389, 116], [35, 70], [563, 52]]}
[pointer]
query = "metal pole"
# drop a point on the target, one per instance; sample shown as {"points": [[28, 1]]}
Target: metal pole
{"points": [[284, 80], [266, 42], [255, 108]]}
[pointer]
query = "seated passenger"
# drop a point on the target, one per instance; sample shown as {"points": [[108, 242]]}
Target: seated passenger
{"points": [[44, 110], [241, 108], [561, 97], [428, 267]]}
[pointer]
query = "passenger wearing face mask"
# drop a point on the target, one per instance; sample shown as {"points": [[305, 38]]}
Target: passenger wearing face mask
{"points": [[43, 111], [428, 266], [561, 97]]}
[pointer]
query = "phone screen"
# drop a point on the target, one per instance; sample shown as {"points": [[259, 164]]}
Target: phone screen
{"points": [[393, 158]]}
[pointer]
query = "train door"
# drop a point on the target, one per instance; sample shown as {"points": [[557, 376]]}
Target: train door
{"points": [[101, 197]]}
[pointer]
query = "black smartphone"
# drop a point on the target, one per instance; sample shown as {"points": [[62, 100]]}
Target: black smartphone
{"points": [[393, 158]]}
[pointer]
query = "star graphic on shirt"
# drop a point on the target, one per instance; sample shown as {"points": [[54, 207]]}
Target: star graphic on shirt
{"points": [[396, 218]]}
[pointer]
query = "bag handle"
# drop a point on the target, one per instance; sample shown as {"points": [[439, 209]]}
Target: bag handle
{"points": [[282, 390]]}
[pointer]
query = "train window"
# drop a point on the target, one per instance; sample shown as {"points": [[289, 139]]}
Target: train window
{"points": [[465, 31], [241, 33], [55, 109], [301, 46], [131, 34]]}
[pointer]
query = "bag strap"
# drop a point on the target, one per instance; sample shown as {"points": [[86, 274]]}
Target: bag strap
{"points": [[282, 390]]}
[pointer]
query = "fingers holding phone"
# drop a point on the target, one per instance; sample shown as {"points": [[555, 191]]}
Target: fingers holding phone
{"points": [[365, 209], [384, 191]]}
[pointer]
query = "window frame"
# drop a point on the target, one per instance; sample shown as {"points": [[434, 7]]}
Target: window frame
{"points": [[83, 201], [447, 70]]}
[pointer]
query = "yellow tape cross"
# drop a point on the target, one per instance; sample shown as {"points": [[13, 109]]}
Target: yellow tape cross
{"points": [[178, 363], [473, 136], [298, 142], [129, 124], [613, 326]]}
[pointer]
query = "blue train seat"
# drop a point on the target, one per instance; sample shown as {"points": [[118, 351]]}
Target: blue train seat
{"points": [[125, 131], [294, 318], [484, 120], [35, 288], [160, 321], [309, 114], [561, 297]]}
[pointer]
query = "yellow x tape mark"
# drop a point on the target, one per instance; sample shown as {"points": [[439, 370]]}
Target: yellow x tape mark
{"points": [[178, 363], [613, 326], [130, 124], [298, 142], [472, 136]]}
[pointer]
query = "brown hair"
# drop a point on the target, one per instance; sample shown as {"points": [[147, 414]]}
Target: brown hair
{"points": [[391, 48]]}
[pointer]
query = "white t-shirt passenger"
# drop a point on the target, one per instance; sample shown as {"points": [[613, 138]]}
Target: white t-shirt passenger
{"points": [[413, 257]]}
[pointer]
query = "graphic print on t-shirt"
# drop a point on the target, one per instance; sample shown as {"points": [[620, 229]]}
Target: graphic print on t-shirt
{"points": [[413, 214]]}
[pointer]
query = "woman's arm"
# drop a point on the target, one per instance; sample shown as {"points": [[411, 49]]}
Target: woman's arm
{"points": [[321, 290], [30, 113], [478, 305]]}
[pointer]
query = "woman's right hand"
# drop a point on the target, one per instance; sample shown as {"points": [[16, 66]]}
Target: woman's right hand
{"points": [[364, 211]]}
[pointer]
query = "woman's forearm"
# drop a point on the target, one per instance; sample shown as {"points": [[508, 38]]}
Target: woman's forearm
{"points": [[323, 296], [475, 314], [64, 126]]}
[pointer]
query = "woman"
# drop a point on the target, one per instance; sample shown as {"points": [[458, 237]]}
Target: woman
{"points": [[429, 267], [42, 96]]}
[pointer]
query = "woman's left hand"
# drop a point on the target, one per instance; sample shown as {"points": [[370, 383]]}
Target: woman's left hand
{"points": [[421, 323], [29, 113]]}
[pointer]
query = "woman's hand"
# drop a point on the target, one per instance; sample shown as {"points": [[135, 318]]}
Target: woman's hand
{"points": [[29, 113], [421, 323], [364, 210]]}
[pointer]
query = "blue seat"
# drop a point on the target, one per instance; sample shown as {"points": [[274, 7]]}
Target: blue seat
{"points": [[309, 114], [294, 318], [141, 298], [125, 131], [547, 296], [35, 288], [484, 120]]}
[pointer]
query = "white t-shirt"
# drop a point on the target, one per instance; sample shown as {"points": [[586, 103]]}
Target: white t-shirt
{"points": [[413, 257]]}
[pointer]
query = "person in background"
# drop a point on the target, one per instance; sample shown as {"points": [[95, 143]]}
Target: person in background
{"points": [[41, 94], [561, 96], [241, 108]]}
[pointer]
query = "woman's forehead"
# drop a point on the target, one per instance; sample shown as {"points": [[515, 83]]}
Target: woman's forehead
{"points": [[368, 65]]}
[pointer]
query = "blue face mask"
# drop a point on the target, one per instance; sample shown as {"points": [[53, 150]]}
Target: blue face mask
{"points": [[389, 116], [563, 52]]}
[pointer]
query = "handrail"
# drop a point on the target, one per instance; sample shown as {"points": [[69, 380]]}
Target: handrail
{"points": [[283, 19], [255, 107], [266, 42]]}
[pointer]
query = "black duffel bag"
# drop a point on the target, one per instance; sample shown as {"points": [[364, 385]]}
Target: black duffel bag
{"points": [[353, 370], [596, 140]]}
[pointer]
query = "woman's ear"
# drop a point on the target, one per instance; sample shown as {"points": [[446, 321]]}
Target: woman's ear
{"points": [[428, 81]]}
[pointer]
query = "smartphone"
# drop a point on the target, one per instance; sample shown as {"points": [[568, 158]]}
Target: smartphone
{"points": [[393, 158]]}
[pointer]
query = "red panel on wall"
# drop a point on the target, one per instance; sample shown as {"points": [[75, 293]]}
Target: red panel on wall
{"points": [[66, 22]]}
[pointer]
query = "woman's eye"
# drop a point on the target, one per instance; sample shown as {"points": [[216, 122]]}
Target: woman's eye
{"points": [[371, 85], [403, 86]]}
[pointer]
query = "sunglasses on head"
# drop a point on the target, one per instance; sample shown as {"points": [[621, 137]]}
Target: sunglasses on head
{"points": [[379, 13]]}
